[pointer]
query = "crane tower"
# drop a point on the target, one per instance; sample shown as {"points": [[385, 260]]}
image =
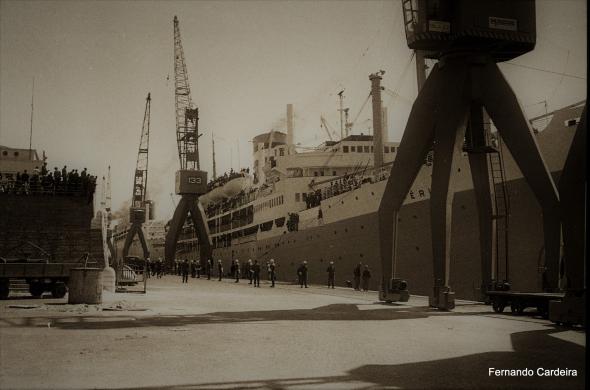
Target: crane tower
{"points": [[191, 182], [137, 212]]}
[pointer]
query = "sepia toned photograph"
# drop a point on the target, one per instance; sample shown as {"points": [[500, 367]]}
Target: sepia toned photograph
{"points": [[293, 194]]}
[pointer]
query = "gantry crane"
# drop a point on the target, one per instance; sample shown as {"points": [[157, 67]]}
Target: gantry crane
{"points": [[138, 198], [191, 182]]}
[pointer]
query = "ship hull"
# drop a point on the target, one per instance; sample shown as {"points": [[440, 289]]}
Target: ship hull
{"points": [[355, 240]]}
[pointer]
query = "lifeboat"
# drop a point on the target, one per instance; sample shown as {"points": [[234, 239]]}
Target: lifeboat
{"points": [[235, 186]]}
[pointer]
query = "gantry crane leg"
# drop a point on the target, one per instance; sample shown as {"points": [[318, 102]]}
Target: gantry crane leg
{"points": [[189, 203], [505, 111], [481, 185], [133, 230]]}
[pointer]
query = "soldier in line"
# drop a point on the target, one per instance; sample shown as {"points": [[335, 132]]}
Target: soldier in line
{"points": [[148, 267], [256, 273], [357, 276], [272, 269], [249, 271], [184, 268], [366, 278], [331, 274], [237, 270], [193, 269], [220, 269], [302, 274]]}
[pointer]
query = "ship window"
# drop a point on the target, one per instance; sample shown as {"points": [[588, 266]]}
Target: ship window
{"points": [[386, 149], [282, 152], [367, 148], [371, 149], [393, 149], [304, 196], [321, 173], [15, 154], [297, 197], [352, 148], [315, 173], [333, 173], [359, 149], [345, 149], [5, 153]]}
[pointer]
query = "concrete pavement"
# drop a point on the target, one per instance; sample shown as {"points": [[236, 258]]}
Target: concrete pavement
{"points": [[225, 335]]}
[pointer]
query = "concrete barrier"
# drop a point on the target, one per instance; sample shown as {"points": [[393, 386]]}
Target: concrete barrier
{"points": [[85, 286]]}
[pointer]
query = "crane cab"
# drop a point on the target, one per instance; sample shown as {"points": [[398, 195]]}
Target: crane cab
{"points": [[504, 28], [191, 181]]}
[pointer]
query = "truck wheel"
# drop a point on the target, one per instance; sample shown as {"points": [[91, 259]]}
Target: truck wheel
{"points": [[37, 289], [58, 290], [517, 308], [4, 288], [498, 306]]}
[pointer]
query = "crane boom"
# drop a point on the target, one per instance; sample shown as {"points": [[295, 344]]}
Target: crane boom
{"points": [[141, 168], [137, 212], [187, 115]]}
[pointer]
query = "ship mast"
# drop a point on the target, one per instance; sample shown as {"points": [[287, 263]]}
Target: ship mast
{"points": [[214, 165]]}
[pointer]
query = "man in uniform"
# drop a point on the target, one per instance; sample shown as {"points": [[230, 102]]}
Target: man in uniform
{"points": [[366, 277], [331, 274], [256, 273], [237, 270], [249, 271], [357, 276], [184, 266], [302, 273], [272, 270], [220, 269]]}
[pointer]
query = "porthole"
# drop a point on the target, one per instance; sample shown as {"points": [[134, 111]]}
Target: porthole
{"points": [[356, 198], [372, 193]]}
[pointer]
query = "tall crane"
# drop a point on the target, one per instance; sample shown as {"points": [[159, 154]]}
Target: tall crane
{"points": [[191, 182], [137, 210]]}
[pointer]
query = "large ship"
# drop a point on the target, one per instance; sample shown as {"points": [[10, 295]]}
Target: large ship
{"points": [[321, 205]]}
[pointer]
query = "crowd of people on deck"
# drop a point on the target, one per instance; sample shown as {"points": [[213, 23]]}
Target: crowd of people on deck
{"points": [[42, 181], [337, 187], [221, 180], [252, 270]]}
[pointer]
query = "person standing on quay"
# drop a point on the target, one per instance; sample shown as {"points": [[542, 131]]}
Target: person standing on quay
{"points": [[357, 276], [184, 268], [256, 272], [331, 274], [249, 271], [272, 270], [302, 273], [220, 269], [237, 270], [209, 266], [366, 277]]}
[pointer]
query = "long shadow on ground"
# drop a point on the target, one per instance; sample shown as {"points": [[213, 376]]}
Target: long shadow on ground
{"points": [[532, 349], [335, 312]]}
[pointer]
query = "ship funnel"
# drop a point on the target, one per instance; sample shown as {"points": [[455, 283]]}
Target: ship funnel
{"points": [[289, 126], [384, 125]]}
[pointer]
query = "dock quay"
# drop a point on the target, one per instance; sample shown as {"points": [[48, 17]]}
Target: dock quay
{"points": [[208, 334]]}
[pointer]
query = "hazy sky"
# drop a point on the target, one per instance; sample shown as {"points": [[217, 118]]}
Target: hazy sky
{"points": [[95, 61]]}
